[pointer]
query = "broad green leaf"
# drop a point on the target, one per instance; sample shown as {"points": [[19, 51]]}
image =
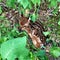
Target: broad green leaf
{"points": [[30, 6], [34, 17], [41, 53], [46, 33], [0, 0], [18, 0], [55, 51], [58, 22], [2, 18], [11, 3], [14, 48], [53, 3], [35, 1], [58, 0], [24, 3], [0, 10]]}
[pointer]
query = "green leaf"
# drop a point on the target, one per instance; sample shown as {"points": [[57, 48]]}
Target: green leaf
{"points": [[11, 3], [2, 17], [36, 1], [55, 51], [58, 0], [0, 0], [34, 17], [59, 22], [41, 53], [49, 0], [24, 3], [53, 3], [14, 48], [46, 33], [0, 10], [30, 6], [18, 0]]}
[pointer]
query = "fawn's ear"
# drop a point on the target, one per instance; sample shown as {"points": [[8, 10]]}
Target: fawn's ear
{"points": [[23, 20]]}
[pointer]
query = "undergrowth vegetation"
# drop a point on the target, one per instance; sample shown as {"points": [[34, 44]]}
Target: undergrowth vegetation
{"points": [[16, 44]]}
